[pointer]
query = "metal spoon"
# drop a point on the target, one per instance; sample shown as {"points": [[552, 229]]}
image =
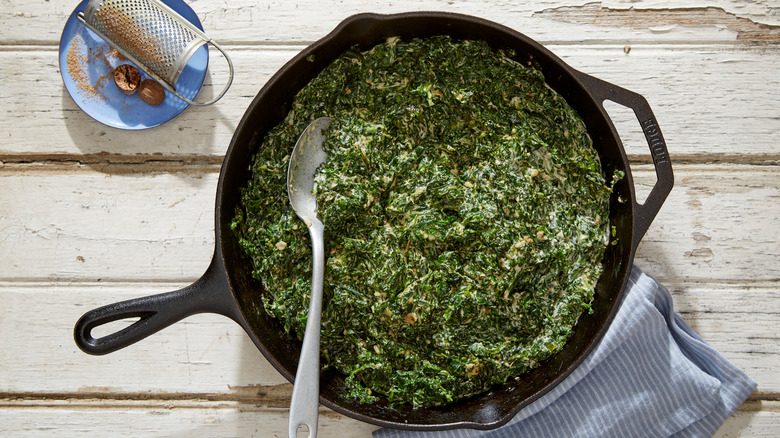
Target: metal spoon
{"points": [[306, 157]]}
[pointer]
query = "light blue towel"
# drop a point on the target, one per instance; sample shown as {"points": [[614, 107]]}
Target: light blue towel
{"points": [[651, 376]]}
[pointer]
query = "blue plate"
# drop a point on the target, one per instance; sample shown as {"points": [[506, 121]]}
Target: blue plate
{"points": [[86, 63]]}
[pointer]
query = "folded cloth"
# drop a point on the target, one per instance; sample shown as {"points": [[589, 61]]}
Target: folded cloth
{"points": [[650, 376]]}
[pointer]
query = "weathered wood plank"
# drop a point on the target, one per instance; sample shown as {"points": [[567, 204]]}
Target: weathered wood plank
{"points": [[690, 20], [709, 100], [211, 358], [718, 224], [745, 334], [168, 420], [753, 419], [89, 225], [55, 124], [164, 420], [201, 355], [207, 363], [78, 224], [574, 20]]}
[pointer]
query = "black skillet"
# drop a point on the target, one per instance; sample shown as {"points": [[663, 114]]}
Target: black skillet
{"points": [[227, 286]]}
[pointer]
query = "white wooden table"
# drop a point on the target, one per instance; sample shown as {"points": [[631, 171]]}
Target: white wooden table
{"points": [[90, 215]]}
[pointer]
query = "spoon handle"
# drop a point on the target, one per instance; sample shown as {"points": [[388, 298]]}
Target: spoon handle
{"points": [[306, 391]]}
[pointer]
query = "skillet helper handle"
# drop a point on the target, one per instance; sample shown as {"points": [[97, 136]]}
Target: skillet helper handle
{"points": [[154, 313], [643, 213]]}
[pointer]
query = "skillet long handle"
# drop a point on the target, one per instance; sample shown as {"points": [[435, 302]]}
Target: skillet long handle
{"points": [[643, 213], [154, 313]]}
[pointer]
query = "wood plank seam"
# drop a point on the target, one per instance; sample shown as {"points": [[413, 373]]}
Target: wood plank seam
{"points": [[271, 395]]}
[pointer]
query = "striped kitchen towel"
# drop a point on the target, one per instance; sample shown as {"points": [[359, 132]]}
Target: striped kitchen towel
{"points": [[651, 376]]}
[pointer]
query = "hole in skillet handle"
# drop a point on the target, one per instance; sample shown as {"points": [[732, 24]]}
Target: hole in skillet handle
{"points": [[153, 313], [645, 212], [108, 328], [634, 143]]}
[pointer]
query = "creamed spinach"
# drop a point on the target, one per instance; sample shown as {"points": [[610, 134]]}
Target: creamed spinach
{"points": [[465, 217]]}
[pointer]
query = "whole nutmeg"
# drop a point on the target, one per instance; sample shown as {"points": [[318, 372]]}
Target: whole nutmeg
{"points": [[127, 78], [151, 92]]}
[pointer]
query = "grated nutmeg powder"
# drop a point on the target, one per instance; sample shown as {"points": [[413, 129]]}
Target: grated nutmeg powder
{"points": [[78, 59]]}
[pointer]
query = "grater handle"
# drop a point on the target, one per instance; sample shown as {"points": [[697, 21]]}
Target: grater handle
{"points": [[191, 102]]}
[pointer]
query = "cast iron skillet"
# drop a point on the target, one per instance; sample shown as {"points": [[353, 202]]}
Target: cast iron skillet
{"points": [[227, 286]]}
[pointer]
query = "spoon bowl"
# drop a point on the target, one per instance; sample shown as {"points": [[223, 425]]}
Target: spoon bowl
{"points": [[306, 157]]}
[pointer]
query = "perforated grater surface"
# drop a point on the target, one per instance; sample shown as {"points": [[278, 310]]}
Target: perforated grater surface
{"points": [[152, 36]]}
